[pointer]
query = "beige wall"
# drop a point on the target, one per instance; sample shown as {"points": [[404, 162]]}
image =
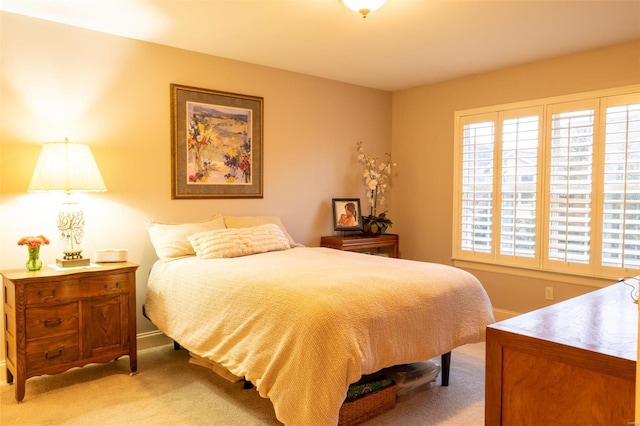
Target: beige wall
{"points": [[422, 122], [113, 93]]}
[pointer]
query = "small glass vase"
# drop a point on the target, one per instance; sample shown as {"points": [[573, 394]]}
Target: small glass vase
{"points": [[34, 263]]}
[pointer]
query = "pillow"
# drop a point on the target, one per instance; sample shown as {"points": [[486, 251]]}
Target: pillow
{"points": [[234, 242], [172, 240], [248, 221]]}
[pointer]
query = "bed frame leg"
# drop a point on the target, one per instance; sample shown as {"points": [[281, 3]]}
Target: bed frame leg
{"points": [[446, 366]]}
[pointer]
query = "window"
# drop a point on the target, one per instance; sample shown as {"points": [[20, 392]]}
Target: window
{"points": [[621, 195], [477, 187], [518, 192], [551, 184]]}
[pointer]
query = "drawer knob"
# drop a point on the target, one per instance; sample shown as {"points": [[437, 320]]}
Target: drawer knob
{"points": [[47, 355], [53, 322], [117, 286], [48, 296]]}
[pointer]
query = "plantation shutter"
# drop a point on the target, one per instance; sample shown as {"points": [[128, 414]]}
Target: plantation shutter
{"points": [[476, 213], [570, 182], [621, 198], [518, 190]]}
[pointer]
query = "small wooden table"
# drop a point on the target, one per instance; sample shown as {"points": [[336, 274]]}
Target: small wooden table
{"points": [[362, 243], [56, 320], [569, 363]]}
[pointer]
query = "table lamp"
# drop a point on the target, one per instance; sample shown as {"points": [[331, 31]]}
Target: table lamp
{"points": [[68, 167]]}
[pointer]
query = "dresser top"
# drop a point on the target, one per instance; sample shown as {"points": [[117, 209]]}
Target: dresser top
{"points": [[47, 271], [603, 321]]}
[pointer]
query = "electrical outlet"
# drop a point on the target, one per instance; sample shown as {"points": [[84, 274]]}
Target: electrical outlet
{"points": [[548, 293]]}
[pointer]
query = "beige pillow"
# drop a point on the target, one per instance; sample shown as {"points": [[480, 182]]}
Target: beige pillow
{"points": [[248, 221], [172, 240], [235, 242]]}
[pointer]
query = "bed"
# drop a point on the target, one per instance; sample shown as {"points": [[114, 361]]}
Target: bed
{"points": [[303, 323]]}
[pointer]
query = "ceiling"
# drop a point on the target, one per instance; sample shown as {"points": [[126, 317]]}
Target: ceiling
{"points": [[404, 44]]}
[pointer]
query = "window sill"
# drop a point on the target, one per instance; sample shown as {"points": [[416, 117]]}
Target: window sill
{"points": [[559, 277]]}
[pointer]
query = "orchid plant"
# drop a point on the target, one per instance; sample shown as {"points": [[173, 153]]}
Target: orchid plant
{"points": [[375, 175]]}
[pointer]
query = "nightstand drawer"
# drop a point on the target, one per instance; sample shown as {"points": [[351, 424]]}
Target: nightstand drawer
{"points": [[52, 292], [52, 321], [51, 352], [381, 245], [55, 292], [105, 285]]}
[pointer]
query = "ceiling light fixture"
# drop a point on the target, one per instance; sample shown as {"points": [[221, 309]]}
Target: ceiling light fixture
{"points": [[364, 6]]}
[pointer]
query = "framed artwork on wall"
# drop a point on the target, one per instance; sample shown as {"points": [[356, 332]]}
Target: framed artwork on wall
{"points": [[346, 214], [216, 144]]}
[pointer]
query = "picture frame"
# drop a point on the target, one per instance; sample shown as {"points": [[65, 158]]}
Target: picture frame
{"points": [[343, 210], [216, 144]]}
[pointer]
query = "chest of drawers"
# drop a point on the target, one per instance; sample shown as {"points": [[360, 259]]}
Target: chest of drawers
{"points": [[571, 363], [56, 320]]}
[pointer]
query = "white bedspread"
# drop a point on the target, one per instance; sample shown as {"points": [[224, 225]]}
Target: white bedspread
{"points": [[302, 324]]}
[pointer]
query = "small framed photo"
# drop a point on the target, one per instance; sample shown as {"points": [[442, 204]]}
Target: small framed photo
{"points": [[346, 214]]}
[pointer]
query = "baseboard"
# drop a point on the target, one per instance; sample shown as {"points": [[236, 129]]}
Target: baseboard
{"points": [[144, 341], [152, 338], [503, 314]]}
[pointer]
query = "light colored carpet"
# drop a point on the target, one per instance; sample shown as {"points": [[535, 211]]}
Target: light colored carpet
{"points": [[168, 390]]}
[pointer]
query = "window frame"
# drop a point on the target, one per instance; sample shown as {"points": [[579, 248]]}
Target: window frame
{"points": [[540, 266], [612, 101], [503, 259], [556, 265]]}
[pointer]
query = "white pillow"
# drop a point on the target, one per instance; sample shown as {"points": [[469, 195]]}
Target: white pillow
{"points": [[234, 242], [248, 221], [172, 240]]}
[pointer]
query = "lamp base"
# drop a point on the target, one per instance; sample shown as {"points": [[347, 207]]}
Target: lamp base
{"points": [[72, 263]]}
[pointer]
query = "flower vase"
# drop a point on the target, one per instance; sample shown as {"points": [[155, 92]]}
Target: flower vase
{"points": [[374, 226], [373, 234], [34, 263]]}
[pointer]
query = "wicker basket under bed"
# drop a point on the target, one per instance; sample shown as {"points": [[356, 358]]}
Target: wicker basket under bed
{"points": [[372, 404]]}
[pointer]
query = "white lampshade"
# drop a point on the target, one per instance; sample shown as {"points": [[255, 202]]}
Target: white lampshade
{"points": [[68, 167], [364, 6]]}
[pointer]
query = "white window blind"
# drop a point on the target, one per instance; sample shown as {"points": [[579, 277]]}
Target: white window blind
{"points": [[477, 187], [570, 186], [621, 208], [519, 186]]}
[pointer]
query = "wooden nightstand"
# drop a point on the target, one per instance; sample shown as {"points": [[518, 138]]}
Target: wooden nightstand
{"points": [[363, 243], [56, 320]]}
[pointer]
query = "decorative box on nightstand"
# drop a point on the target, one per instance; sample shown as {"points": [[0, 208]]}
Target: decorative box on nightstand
{"points": [[59, 319], [383, 244], [111, 255]]}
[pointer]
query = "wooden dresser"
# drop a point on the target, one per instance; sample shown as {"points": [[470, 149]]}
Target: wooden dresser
{"points": [[572, 363], [56, 320]]}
